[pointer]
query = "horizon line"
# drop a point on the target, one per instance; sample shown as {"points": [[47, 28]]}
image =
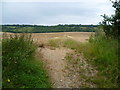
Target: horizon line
{"points": [[49, 25]]}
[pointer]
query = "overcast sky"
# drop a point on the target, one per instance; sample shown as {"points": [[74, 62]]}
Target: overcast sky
{"points": [[52, 12]]}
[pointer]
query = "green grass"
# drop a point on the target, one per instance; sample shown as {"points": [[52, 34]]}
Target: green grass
{"points": [[63, 42], [105, 53], [55, 42], [20, 69], [100, 52]]}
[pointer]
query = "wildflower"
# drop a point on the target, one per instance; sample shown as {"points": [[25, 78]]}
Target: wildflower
{"points": [[8, 80]]}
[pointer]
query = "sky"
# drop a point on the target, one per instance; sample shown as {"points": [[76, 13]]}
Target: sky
{"points": [[53, 12]]}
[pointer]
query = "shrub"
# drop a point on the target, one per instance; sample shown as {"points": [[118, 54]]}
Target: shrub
{"points": [[20, 68], [16, 48]]}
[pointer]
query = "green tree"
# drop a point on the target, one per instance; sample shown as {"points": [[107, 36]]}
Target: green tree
{"points": [[111, 25]]}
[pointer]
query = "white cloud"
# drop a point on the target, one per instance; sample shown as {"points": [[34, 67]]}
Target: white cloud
{"points": [[53, 12], [87, 1]]}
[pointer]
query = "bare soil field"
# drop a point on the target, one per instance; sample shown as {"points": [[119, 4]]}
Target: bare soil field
{"points": [[79, 36], [44, 37]]}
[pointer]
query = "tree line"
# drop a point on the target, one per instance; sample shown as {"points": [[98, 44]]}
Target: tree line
{"points": [[46, 29]]}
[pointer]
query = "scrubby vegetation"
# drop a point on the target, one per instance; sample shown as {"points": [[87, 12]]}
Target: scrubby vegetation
{"points": [[20, 69], [104, 54], [111, 27]]}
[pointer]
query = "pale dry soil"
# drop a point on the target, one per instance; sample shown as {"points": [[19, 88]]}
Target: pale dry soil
{"points": [[44, 37], [67, 73], [55, 65]]}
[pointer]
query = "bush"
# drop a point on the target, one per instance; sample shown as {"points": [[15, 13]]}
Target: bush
{"points": [[20, 69], [16, 48]]}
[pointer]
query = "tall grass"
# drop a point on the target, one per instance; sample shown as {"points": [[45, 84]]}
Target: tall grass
{"points": [[105, 53], [20, 69], [63, 42]]}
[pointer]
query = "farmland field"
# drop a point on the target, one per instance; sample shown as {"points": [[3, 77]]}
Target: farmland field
{"points": [[44, 37]]}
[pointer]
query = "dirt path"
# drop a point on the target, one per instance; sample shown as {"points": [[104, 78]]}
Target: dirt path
{"points": [[55, 65], [63, 73]]}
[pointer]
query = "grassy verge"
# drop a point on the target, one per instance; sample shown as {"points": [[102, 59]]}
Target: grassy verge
{"points": [[20, 69], [104, 54], [100, 52]]}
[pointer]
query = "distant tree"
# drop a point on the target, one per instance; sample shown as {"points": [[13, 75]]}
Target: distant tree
{"points": [[111, 25]]}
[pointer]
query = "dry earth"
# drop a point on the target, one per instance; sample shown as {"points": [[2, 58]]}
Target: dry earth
{"points": [[44, 37], [55, 65]]}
